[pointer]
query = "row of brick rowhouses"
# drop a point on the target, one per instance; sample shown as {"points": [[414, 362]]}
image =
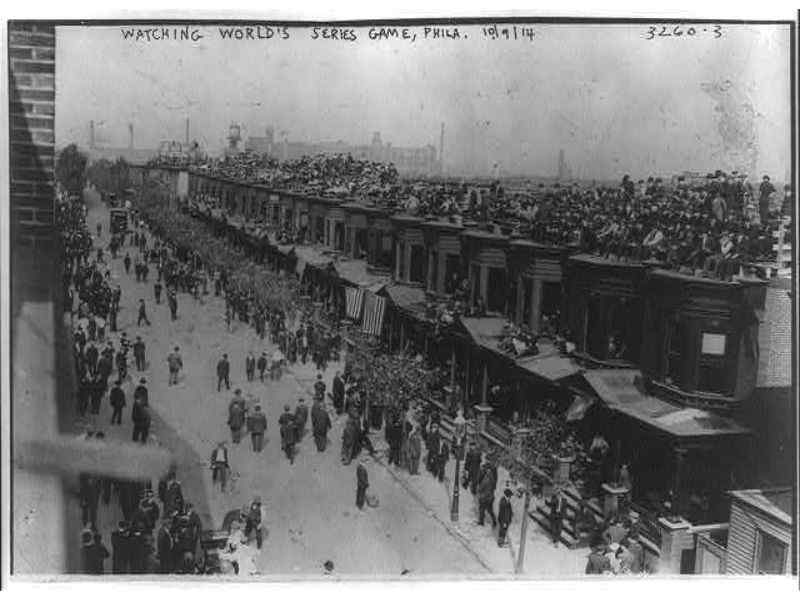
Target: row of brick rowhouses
{"points": [[688, 377]]}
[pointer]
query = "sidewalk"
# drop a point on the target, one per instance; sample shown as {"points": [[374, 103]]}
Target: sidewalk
{"points": [[542, 558]]}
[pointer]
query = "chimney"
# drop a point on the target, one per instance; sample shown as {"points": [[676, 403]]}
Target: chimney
{"points": [[91, 134], [130, 136], [187, 132]]}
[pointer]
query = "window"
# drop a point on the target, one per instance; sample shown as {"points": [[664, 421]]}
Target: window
{"points": [[496, 292], [713, 344], [771, 555], [451, 272], [712, 373]]}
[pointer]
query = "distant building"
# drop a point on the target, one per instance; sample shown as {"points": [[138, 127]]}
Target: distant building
{"points": [[423, 160]]}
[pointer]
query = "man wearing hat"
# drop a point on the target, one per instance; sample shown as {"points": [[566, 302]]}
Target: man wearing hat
{"points": [[175, 363], [223, 373], [319, 388], [117, 399], [236, 416], [362, 483], [321, 424], [219, 465], [300, 418], [338, 393], [250, 366], [120, 548], [262, 365], [140, 393], [256, 426], [253, 521], [288, 432], [138, 353], [504, 516], [165, 546]]}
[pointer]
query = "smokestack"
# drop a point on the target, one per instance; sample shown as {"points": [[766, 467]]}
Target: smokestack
{"points": [[130, 136], [441, 148], [91, 134], [187, 132]]}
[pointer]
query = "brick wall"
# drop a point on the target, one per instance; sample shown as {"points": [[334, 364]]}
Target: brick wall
{"points": [[31, 53]]}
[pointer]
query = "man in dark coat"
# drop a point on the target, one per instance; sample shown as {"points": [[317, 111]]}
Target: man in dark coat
{"points": [[120, 548], [394, 437], [91, 356], [223, 373], [557, 509], [504, 515], [96, 390], [157, 287], [236, 417], [288, 432], [319, 388], [338, 393], [253, 521], [140, 415], [486, 496], [362, 483], [141, 393], [349, 439], [127, 262], [165, 546], [262, 365], [433, 443], [472, 467], [256, 426], [301, 418], [220, 465], [117, 399], [97, 555], [250, 366], [142, 314], [321, 424], [173, 496], [138, 353]]}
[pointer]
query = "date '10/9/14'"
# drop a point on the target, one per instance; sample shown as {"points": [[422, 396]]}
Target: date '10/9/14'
{"points": [[661, 31]]}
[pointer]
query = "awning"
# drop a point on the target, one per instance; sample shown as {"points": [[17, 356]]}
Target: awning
{"points": [[407, 297], [486, 331], [552, 367], [617, 389], [355, 272]]}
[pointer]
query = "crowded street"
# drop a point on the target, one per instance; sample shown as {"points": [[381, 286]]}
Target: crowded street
{"points": [[310, 514]]}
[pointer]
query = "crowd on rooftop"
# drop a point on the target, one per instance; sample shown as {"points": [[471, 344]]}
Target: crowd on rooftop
{"points": [[701, 225]]}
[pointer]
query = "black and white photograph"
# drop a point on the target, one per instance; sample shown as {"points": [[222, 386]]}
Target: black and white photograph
{"points": [[400, 300]]}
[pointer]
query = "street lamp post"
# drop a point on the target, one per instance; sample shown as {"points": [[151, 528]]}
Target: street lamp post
{"points": [[459, 432]]}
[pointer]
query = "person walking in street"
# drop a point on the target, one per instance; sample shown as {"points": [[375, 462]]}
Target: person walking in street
{"points": [[256, 426], [140, 392], [362, 483], [319, 388], [250, 366], [117, 399], [262, 365], [127, 263], [441, 462], [138, 353], [288, 432], [140, 415], [394, 435], [433, 443], [321, 424], [253, 522], [236, 417], [142, 314], [220, 465], [175, 363], [172, 301], [504, 515], [338, 393], [472, 468], [486, 496], [157, 287], [557, 510], [122, 364], [350, 436], [223, 373], [301, 418]]}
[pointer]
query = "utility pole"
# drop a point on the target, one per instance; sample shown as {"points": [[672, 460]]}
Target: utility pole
{"points": [[523, 536]]}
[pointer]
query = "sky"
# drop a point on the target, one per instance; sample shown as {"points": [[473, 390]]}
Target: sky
{"points": [[614, 100]]}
